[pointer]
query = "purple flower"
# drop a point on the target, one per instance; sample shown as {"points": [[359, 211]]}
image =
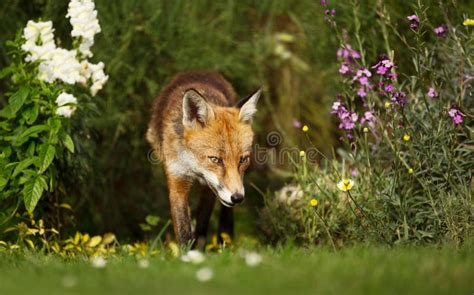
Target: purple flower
{"points": [[456, 115], [330, 12], [323, 2], [440, 31], [368, 118], [354, 172], [384, 66], [381, 70], [414, 21], [361, 92], [413, 17], [393, 76], [347, 53], [296, 123], [344, 69], [347, 119], [389, 88], [399, 98], [363, 80], [432, 92]]}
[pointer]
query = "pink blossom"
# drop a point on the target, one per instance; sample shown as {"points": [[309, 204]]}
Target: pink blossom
{"points": [[344, 69], [363, 80], [347, 53], [432, 92], [361, 92], [440, 31], [414, 21], [296, 123], [368, 118], [456, 115], [389, 87]]}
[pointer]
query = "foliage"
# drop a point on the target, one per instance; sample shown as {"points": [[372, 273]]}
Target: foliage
{"points": [[35, 136], [406, 135]]}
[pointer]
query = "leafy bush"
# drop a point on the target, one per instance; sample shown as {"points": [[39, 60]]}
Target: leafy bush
{"points": [[405, 169], [38, 132]]}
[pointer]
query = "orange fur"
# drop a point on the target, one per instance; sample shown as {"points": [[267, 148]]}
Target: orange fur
{"points": [[187, 150]]}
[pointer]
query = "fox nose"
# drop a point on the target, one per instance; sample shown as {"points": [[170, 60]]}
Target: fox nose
{"points": [[237, 198]]}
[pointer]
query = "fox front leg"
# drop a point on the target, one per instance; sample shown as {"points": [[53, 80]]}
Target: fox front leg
{"points": [[203, 214], [180, 212]]}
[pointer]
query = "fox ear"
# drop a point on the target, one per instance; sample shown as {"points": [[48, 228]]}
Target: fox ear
{"points": [[248, 106], [196, 109]]}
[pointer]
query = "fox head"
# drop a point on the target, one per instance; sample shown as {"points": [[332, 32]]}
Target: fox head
{"points": [[219, 142]]}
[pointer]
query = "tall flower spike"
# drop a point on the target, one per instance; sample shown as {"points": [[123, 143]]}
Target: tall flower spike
{"points": [[85, 25]]}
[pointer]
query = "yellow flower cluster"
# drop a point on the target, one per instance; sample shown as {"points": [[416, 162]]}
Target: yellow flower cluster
{"points": [[468, 22]]}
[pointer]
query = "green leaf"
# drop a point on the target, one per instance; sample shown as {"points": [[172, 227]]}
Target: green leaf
{"points": [[22, 166], [145, 227], [30, 151], [68, 143], [3, 182], [5, 71], [33, 130], [31, 114], [55, 124], [32, 192], [46, 156], [152, 220], [17, 100]]}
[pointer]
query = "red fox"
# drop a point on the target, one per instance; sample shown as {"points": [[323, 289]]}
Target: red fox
{"points": [[199, 132]]}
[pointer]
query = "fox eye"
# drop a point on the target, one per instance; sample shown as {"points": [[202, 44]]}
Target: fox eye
{"points": [[243, 160], [216, 160]]}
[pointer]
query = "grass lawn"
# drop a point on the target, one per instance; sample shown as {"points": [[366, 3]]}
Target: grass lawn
{"points": [[360, 269]]}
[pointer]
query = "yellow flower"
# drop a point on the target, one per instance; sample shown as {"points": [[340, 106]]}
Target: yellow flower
{"points": [[313, 202], [406, 137], [410, 170], [305, 128], [345, 184], [468, 22], [302, 153], [365, 129], [387, 104]]}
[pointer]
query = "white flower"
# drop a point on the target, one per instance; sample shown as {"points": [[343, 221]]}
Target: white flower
{"points": [[98, 77], [193, 256], [83, 18], [65, 98], [39, 40], [204, 274], [63, 66], [85, 47], [98, 262], [66, 105], [94, 72], [290, 195], [253, 259], [143, 263]]}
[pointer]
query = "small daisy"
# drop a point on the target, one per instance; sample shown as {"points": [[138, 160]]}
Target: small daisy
{"points": [[204, 274], [345, 184]]}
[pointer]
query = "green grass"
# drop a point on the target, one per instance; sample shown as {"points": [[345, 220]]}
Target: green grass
{"points": [[360, 269]]}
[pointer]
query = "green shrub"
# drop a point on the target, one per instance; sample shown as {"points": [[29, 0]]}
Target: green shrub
{"points": [[44, 121], [406, 136]]}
